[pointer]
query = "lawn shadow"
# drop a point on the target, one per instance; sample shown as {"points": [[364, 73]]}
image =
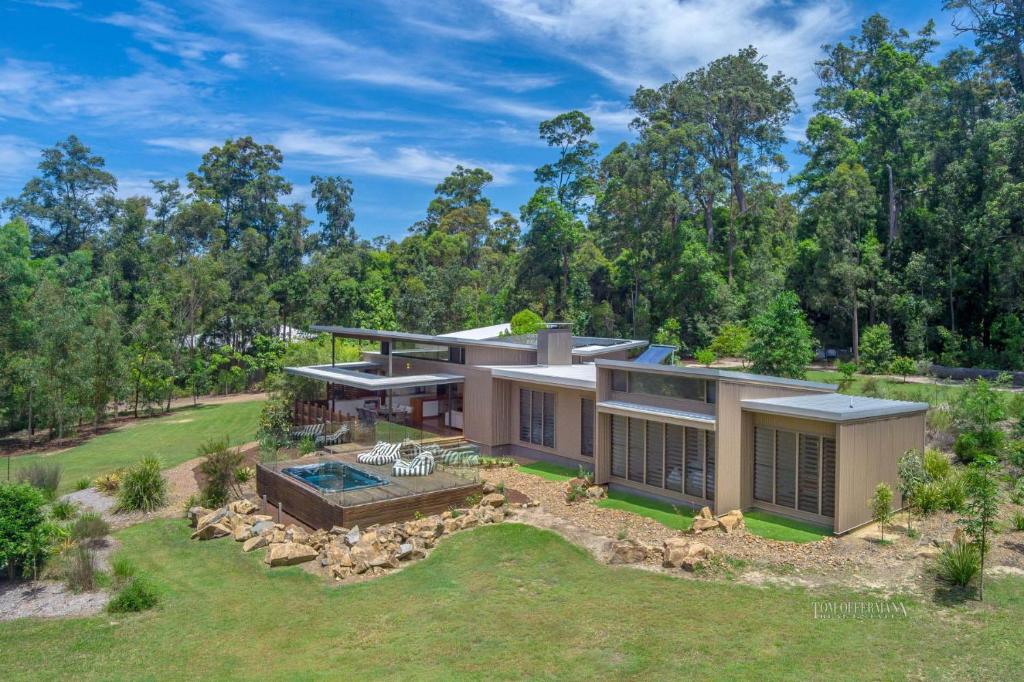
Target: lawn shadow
{"points": [[953, 595]]}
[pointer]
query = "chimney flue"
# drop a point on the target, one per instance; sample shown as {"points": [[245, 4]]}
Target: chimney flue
{"points": [[554, 344]]}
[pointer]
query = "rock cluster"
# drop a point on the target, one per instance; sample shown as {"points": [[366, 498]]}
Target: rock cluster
{"points": [[582, 488], [676, 552], [341, 552], [728, 522]]}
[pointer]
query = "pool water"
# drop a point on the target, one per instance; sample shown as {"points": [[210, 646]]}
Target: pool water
{"points": [[334, 477]]}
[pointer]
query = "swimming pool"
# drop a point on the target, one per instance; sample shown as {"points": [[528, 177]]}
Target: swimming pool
{"points": [[334, 477]]}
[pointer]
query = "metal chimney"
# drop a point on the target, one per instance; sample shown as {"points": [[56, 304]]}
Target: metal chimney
{"points": [[554, 344]]}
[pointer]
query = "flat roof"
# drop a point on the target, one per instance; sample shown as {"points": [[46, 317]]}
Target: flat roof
{"points": [[833, 407], [582, 375], [684, 417], [479, 333], [583, 346], [710, 373], [338, 374]]}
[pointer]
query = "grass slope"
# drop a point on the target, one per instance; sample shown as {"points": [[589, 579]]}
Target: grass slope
{"points": [[173, 439], [508, 602]]}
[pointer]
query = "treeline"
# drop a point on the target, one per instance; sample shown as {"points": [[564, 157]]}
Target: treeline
{"points": [[907, 212]]}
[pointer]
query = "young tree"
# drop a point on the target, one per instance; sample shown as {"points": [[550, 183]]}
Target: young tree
{"points": [[781, 343], [881, 507], [912, 475], [982, 510], [876, 349], [902, 366], [731, 341]]}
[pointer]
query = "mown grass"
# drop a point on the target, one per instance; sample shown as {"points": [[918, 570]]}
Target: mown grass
{"points": [[172, 439], [549, 471], [499, 602], [933, 394]]}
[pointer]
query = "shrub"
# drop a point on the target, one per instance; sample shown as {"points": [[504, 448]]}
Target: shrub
{"points": [[954, 492], [219, 468], [1015, 453], [90, 526], [1017, 520], [705, 357], [902, 366], [936, 465], [143, 487], [586, 474], [82, 484], [42, 475], [875, 349], [929, 498], [307, 445], [872, 387], [79, 570], [1017, 491], [108, 483], [732, 341], [972, 446], [137, 595], [846, 372], [63, 510], [245, 474], [123, 569], [977, 412], [24, 531], [959, 563], [526, 322], [940, 418]]}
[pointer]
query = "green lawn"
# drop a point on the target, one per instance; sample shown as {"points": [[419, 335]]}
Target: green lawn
{"points": [[758, 522], [173, 439], [888, 388], [499, 602]]}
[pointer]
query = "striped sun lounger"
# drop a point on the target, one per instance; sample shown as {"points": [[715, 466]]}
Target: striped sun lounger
{"points": [[382, 453], [420, 465]]}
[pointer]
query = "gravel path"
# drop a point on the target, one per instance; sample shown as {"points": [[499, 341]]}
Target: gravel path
{"points": [[46, 599]]}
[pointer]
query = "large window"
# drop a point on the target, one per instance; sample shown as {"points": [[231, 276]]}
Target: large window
{"points": [[795, 470], [665, 456], [586, 427], [537, 417], [428, 351], [663, 385]]}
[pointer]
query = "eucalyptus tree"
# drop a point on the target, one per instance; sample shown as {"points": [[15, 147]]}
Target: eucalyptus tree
{"points": [[572, 176]]}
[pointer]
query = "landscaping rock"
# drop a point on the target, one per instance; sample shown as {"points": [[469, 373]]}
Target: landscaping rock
{"points": [[685, 554], [338, 555], [295, 534], [261, 527], [257, 542], [627, 552], [488, 488], [701, 524], [705, 513], [596, 492], [404, 551], [289, 554], [337, 530], [451, 525], [215, 516], [242, 506], [731, 521], [277, 535], [196, 513], [352, 537], [242, 533], [211, 531], [493, 500]]}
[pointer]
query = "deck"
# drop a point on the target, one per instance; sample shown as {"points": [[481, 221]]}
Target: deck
{"points": [[399, 500]]}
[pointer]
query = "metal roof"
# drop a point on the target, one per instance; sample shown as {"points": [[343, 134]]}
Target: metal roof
{"points": [[833, 407], [709, 373], [656, 354], [684, 417], [583, 375], [337, 374]]}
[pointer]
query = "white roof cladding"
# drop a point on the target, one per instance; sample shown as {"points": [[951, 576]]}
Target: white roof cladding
{"points": [[833, 407], [708, 373], [338, 374], [583, 375], [480, 333], [684, 417]]}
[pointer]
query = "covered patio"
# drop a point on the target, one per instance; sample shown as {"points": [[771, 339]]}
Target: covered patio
{"points": [[378, 406]]}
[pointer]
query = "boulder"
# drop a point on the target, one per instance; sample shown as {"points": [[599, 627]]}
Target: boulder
{"points": [[261, 527], [338, 530], [685, 554], [488, 488], [493, 500], [404, 551], [596, 492], [255, 542], [705, 513], [216, 516], [468, 520], [383, 560], [352, 537], [295, 534], [627, 552], [339, 555], [341, 572], [257, 518], [242, 506], [289, 554], [451, 525], [242, 532], [211, 531], [196, 513], [731, 521], [701, 524]]}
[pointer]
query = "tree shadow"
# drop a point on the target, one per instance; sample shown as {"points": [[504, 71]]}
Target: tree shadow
{"points": [[953, 595]]}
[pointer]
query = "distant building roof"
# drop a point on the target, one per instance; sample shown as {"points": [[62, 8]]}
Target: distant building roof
{"points": [[582, 375], [834, 407]]}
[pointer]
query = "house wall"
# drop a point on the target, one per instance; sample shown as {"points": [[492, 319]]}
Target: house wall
{"points": [[868, 453], [735, 429], [567, 419]]}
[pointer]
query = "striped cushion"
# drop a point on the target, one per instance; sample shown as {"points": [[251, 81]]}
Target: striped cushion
{"points": [[459, 458], [420, 465], [382, 453]]}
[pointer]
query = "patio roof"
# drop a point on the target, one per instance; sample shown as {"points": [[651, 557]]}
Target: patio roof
{"points": [[340, 374]]}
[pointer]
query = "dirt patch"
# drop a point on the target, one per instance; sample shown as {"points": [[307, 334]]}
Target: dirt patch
{"points": [[47, 599]]}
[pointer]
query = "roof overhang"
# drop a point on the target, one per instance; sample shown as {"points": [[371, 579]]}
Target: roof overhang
{"points": [[577, 376], [661, 414], [709, 373], [337, 374], [834, 407]]}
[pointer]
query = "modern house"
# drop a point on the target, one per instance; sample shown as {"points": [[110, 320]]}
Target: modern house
{"points": [[689, 435]]}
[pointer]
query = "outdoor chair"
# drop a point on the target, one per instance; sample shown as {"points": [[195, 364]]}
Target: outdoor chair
{"points": [[308, 431], [338, 436], [420, 465], [382, 453]]}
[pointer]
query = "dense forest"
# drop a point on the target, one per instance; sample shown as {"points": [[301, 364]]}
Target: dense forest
{"points": [[908, 211]]}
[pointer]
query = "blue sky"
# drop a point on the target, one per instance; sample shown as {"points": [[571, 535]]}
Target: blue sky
{"points": [[390, 94]]}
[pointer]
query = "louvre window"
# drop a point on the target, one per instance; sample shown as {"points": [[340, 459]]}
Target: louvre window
{"points": [[587, 427], [795, 470], [620, 380], [674, 458], [828, 477], [636, 450], [655, 453], [619, 439], [807, 485], [709, 465], [667, 386], [694, 463], [537, 417]]}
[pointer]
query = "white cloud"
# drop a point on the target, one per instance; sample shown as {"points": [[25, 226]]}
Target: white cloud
{"points": [[18, 155], [196, 145], [233, 60], [162, 30]]}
